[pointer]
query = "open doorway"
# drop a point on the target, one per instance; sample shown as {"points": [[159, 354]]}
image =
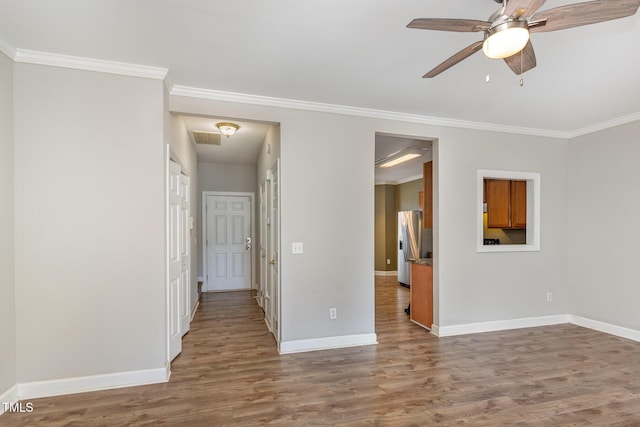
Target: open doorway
{"points": [[404, 219], [232, 174]]}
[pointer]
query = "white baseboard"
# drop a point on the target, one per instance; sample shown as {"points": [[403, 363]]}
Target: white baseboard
{"points": [[299, 346], [500, 325], [37, 389], [9, 396], [386, 273], [435, 330], [194, 309], [607, 328]]}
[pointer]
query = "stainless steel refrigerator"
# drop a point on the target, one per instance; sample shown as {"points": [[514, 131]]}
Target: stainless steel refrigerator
{"points": [[409, 242]]}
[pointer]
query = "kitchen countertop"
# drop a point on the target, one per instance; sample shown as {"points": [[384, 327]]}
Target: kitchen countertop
{"points": [[424, 261]]}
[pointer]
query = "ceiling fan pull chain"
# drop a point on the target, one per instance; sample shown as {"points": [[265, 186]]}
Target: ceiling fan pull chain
{"points": [[521, 68]]}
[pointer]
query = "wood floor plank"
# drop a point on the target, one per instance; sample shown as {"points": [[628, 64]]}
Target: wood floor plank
{"points": [[229, 373]]}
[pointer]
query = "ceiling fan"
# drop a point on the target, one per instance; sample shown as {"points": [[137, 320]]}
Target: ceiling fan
{"points": [[506, 32]]}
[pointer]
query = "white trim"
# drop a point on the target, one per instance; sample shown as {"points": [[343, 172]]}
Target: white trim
{"points": [[606, 328], [90, 64], [327, 343], [38, 389], [618, 121], [9, 396], [500, 325], [533, 210], [205, 282], [386, 273], [218, 95], [194, 309], [168, 82], [435, 330]]}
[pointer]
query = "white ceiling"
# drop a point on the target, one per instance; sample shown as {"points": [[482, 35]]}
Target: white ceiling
{"points": [[404, 172], [241, 148], [356, 53]]}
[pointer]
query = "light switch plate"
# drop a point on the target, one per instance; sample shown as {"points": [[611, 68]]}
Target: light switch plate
{"points": [[297, 248]]}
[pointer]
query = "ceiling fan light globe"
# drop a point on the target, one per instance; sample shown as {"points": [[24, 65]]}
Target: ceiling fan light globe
{"points": [[505, 40]]}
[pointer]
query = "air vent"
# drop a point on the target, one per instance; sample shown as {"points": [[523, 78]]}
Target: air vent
{"points": [[206, 138]]}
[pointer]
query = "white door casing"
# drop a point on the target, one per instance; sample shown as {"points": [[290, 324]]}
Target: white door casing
{"points": [[174, 260], [185, 256], [262, 245], [228, 241], [272, 292], [276, 250]]}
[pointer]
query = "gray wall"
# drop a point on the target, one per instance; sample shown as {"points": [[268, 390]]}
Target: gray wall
{"points": [[336, 227], [477, 287], [183, 153], [7, 289], [408, 195], [604, 180], [89, 221], [386, 231]]}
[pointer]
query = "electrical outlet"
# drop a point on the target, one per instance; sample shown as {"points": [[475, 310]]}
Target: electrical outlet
{"points": [[549, 297], [388, 261], [297, 248], [333, 313]]}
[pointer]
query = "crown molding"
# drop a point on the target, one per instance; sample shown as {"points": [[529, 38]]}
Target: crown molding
{"points": [[619, 121], [89, 64], [217, 95], [168, 82]]}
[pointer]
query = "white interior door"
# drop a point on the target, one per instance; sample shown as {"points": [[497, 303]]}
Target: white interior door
{"points": [[272, 299], [174, 260], [275, 228], [263, 243], [185, 256], [229, 242]]}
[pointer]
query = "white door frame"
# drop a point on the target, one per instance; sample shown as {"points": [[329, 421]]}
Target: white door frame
{"points": [[205, 267], [274, 179]]}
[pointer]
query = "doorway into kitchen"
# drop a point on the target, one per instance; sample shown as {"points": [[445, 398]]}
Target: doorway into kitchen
{"points": [[404, 244]]}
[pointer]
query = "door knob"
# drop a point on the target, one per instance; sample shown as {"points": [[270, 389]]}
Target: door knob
{"points": [[248, 247]]}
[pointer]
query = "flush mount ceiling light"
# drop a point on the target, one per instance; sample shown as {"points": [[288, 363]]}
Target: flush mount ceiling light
{"points": [[402, 156], [506, 39], [396, 161], [227, 128]]}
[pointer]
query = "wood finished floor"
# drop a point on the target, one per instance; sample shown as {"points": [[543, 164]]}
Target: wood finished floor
{"points": [[229, 373]]}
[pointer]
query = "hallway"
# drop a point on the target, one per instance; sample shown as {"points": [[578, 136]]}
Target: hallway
{"points": [[230, 373]]}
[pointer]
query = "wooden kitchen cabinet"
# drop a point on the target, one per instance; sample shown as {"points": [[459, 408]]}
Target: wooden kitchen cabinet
{"points": [[498, 203], [518, 204], [506, 203], [427, 195], [421, 295]]}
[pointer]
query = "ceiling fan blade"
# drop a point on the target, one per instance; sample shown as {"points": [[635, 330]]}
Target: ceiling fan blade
{"points": [[459, 25], [522, 61], [591, 12], [463, 54], [522, 8]]}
